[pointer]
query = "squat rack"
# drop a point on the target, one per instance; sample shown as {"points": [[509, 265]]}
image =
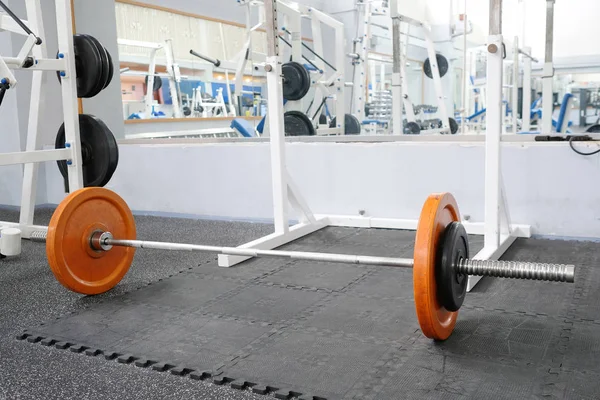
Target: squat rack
{"points": [[497, 229], [367, 9], [328, 81], [34, 52]]}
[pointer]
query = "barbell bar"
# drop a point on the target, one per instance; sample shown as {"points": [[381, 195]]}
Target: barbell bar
{"points": [[499, 269], [91, 241]]}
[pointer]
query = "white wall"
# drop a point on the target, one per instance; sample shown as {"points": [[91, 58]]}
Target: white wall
{"points": [[385, 179], [97, 18], [575, 22]]}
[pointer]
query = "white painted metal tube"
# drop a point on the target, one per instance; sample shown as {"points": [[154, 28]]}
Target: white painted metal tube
{"points": [[502, 269], [295, 255]]}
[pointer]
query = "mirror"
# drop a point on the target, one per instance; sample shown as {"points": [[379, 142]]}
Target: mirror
{"points": [[180, 67]]}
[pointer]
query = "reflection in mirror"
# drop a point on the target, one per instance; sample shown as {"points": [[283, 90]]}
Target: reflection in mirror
{"points": [[177, 66]]}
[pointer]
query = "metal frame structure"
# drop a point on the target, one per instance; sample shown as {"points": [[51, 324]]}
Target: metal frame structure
{"points": [[401, 103], [199, 103], [65, 64], [520, 66], [173, 73], [548, 73], [498, 231], [328, 81]]}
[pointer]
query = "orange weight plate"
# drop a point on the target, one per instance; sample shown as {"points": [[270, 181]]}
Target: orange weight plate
{"points": [[72, 260], [438, 212]]}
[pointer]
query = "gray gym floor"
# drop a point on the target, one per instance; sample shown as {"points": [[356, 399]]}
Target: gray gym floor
{"points": [[326, 330]]}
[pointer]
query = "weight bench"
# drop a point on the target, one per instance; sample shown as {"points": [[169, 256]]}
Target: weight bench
{"points": [[243, 127], [558, 124]]}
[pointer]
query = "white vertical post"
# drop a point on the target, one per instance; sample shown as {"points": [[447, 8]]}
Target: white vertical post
{"points": [[275, 115], [232, 110], [36, 107], [515, 88], [548, 79], [340, 84], [397, 98], [409, 111], [64, 23], [360, 87], [494, 127], [318, 48], [293, 23], [150, 85], [295, 27], [173, 87], [465, 85], [526, 124]]}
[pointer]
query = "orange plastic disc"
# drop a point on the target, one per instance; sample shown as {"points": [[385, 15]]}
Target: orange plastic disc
{"points": [[72, 260], [438, 212]]}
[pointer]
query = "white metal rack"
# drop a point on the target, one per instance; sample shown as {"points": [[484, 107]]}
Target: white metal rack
{"points": [[65, 63], [327, 82], [173, 73], [499, 233], [402, 105]]}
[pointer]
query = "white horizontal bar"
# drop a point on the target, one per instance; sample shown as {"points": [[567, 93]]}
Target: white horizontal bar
{"points": [[370, 222], [152, 135], [478, 228], [9, 24], [329, 131], [43, 64], [274, 240], [26, 230], [435, 131], [429, 139], [253, 252], [472, 228], [137, 43], [25, 157]]}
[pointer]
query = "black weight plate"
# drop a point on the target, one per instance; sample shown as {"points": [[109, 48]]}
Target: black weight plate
{"points": [[111, 69], [157, 83], [99, 150], [187, 111], [593, 129], [451, 287], [352, 125], [442, 63], [412, 128], [296, 81], [102, 82], [298, 124], [88, 65], [453, 126]]}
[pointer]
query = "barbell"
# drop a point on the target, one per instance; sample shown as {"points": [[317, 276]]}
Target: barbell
{"points": [[91, 241]]}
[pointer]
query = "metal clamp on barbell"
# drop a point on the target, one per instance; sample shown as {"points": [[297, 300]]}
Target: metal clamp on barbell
{"points": [[91, 242]]}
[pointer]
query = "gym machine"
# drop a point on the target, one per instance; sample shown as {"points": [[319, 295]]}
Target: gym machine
{"points": [[302, 73], [401, 103]]}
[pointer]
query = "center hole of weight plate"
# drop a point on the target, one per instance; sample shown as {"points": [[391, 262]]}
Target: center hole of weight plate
{"points": [[98, 241]]}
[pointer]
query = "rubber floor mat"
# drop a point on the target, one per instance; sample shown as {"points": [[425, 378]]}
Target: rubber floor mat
{"points": [[312, 330]]}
